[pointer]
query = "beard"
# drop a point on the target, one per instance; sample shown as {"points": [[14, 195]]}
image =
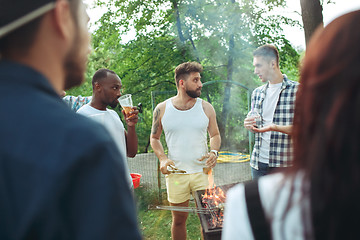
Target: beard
{"points": [[193, 94], [74, 67], [113, 104], [109, 100]]}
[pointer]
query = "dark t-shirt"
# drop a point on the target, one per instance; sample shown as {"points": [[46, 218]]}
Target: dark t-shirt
{"points": [[61, 175]]}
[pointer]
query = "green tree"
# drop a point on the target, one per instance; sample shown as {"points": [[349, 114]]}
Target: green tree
{"points": [[220, 34]]}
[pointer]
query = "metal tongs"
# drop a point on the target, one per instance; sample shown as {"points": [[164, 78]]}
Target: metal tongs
{"points": [[173, 169]]}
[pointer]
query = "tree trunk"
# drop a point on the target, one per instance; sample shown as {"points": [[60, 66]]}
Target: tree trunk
{"points": [[311, 12], [193, 45], [178, 22], [227, 93], [181, 44]]}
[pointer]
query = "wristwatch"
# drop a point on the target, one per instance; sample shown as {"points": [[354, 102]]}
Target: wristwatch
{"points": [[216, 152]]}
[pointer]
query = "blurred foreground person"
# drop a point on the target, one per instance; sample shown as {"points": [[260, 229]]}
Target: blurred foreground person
{"points": [[319, 197], [59, 171]]}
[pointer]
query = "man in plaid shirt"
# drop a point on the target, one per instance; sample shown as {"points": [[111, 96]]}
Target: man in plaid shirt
{"points": [[275, 102], [75, 102]]}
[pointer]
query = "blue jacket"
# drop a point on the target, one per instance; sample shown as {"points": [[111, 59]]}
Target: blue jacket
{"points": [[61, 175]]}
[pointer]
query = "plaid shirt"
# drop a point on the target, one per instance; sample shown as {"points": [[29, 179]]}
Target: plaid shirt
{"points": [[280, 154], [76, 102]]}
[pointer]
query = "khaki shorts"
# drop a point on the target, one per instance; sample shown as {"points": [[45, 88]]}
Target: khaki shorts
{"points": [[180, 186]]}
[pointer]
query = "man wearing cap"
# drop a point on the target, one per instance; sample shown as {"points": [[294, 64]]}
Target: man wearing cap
{"points": [[59, 171]]}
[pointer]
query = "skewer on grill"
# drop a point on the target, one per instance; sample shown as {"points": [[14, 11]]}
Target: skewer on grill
{"points": [[186, 209]]}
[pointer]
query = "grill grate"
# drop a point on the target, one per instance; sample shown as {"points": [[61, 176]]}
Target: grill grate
{"points": [[211, 223]]}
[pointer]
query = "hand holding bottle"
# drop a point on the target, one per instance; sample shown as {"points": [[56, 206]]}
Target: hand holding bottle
{"points": [[252, 120]]}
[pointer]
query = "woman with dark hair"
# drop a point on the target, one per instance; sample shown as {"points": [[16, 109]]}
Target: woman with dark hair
{"points": [[319, 198]]}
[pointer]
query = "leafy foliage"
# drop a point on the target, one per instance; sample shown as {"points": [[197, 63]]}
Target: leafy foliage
{"points": [[220, 34]]}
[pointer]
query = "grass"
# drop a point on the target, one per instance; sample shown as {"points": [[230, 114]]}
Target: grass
{"points": [[156, 224]]}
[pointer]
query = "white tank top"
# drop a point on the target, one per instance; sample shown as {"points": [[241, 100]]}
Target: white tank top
{"points": [[186, 135]]}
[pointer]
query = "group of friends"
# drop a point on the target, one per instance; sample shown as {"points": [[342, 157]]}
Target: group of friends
{"points": [[65, 175]]}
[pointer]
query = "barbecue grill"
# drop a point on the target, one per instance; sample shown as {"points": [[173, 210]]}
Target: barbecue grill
{"points": [[210, 209], [211, 223]]}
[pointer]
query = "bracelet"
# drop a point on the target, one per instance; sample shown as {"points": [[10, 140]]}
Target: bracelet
{"points": [[216, 152]]}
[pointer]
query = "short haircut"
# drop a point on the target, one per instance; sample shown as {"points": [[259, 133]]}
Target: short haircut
{"points": [[23, 37], [268, 51], [100, 75], [183, 70]]}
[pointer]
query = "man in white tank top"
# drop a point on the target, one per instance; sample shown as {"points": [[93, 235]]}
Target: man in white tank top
{"points": [[186, 120], [106, 91]]}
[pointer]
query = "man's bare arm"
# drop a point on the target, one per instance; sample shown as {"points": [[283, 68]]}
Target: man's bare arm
{"points": [[276, 128], [155, 142], [130, 134], [214, 133]]}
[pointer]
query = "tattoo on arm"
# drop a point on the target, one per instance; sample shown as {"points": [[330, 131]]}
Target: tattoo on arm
{"points": [[156, 123]]}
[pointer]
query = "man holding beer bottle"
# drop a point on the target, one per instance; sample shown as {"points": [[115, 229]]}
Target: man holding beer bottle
{"points": [[274, 104]]}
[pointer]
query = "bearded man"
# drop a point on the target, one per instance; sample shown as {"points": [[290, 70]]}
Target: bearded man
{"points": [[185, 119], [59, 171]]}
